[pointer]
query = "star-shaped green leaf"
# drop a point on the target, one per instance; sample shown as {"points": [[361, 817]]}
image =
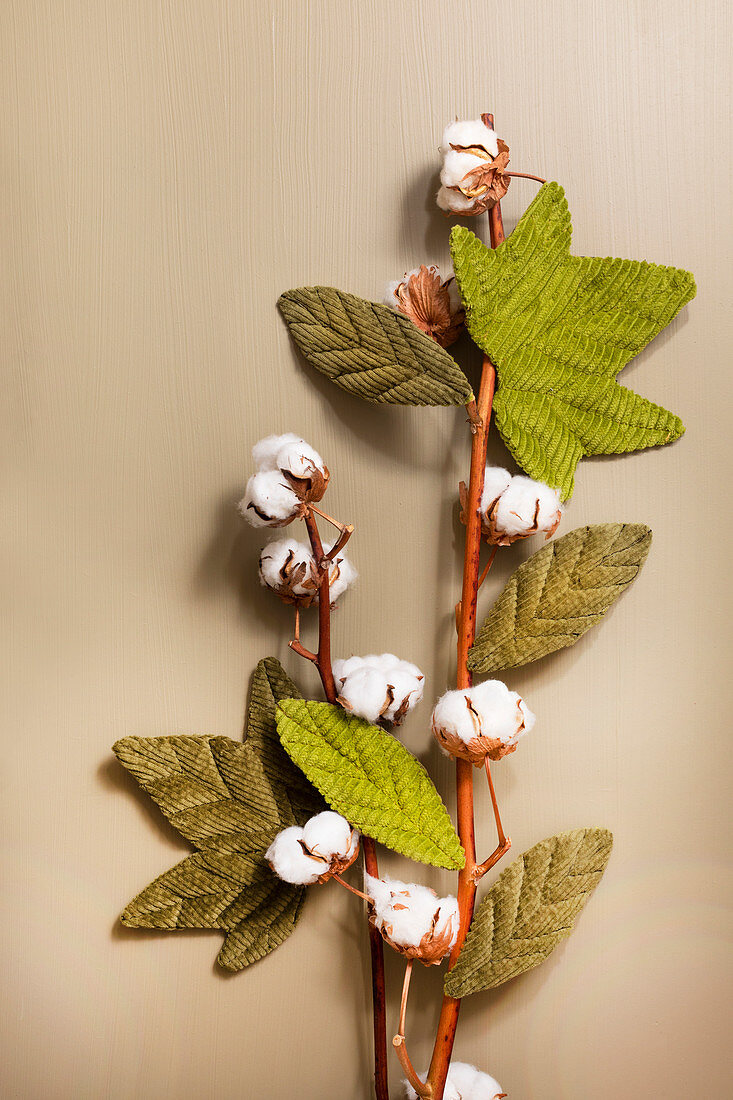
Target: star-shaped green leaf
{"points": [[559, 328], [228, 800]]}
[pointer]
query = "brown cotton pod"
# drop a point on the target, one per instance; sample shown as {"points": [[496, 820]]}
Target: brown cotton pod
{"points": [[432, 948], [425, 299], [310, 488], [487, 183], [474, 751]]}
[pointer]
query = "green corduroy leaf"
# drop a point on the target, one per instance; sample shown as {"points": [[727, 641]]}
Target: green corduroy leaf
{"points": [[559, 593], [229, 800], [370, 351], [559, 328], [531, 907], [371, 779]]}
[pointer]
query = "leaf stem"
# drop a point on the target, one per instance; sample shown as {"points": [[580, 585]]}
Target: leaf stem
{"points": [[325, 671]]}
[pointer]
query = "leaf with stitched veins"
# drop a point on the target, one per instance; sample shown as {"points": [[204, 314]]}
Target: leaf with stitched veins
{"points": [[229, 800], [530, 909], [559, 593], [371, 779], [559, 328], [370, 351]]}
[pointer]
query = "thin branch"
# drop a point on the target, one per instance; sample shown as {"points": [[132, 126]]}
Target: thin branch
{"points": [[368, 847], [495, 804], [525, 176], [488, 565], [346, 530], [422, 1088], [342, 882], [295, 644]]}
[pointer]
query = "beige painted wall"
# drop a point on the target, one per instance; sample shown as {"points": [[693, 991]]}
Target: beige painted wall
{"points": [[167, 169]]}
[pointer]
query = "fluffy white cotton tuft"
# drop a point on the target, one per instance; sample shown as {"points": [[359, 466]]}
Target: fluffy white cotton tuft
{"points": [[453, 202], [341, 574], [407, 911], [456, 166], [290, 862], [464, 1082], [265, 452], [287, 563], [527, 506], [469, 132], [488, 710], [328, 835], [378, 686], [496, 481], [268, 500]]}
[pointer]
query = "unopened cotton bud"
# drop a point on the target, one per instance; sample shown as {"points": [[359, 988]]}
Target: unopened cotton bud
{"points": [[473, 177], [514, 508], [413, 919], [378, 686], [464, 1082], [485, 720], [325, 846], [269, 500], [430, 302]]}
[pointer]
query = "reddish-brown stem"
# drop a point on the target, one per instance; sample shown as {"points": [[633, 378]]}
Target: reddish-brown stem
{"points": [[495, 804], [466, 633], [368, 847], [400, 1043], [525, 176], [488, 565], [347, 886]]}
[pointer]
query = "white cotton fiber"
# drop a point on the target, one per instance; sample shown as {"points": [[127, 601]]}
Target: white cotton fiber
{"points": [[464, 1082], [268, 500], [264, 453], [469, 132], [454, 202], [496, 481], [456, 166], [299, 459], [378, 686], [488, 710], [406, 910], [328, 835], [280, 559], [522, 501], [288, 860], [341, 573]]}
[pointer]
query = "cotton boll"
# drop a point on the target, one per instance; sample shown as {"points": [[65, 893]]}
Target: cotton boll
{"points": [[299, 459], [290, 862], [328, 834], [496, 481], [527, 506], [264, 453], [287, 567], [469, 132], [378, 686], [269, 501], [413, 919], [485, 720]]}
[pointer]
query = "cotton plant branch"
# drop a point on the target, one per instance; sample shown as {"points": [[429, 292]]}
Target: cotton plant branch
{"points": [[322, 660], [469, 877], [399, 1042]]}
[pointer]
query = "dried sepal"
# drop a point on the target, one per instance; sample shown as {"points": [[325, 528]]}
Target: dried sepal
{"points": [[431, 302]]}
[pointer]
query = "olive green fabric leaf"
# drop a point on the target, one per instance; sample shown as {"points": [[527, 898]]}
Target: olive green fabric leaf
{"points": [[270, 683], [371, 779], [229, 800], [559, 593], [559, 328], [370, 351], [531, 907]]}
